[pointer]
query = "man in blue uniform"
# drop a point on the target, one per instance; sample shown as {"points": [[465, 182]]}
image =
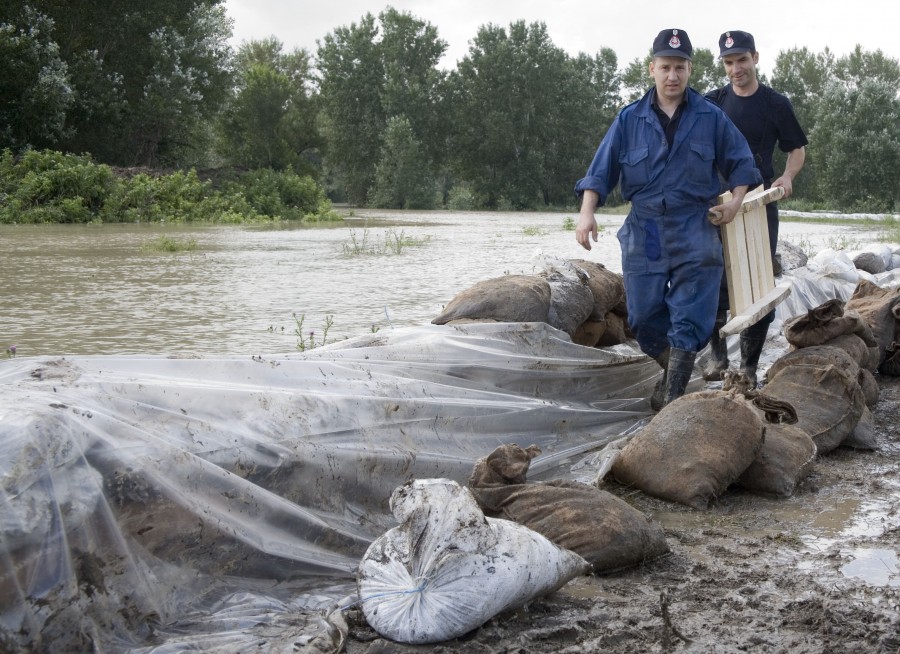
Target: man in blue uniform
{"points": [[667, 151], [765, 117]]}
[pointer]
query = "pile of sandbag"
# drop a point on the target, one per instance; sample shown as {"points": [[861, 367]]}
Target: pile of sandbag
{"points": [[604, 529], [815, 398], [701, 443], [582, 298]]}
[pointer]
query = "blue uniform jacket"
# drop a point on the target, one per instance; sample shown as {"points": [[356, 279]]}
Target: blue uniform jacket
{"points": [[635, 150]]}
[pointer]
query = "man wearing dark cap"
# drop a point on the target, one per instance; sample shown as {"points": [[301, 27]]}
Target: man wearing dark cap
{"points": [[765, 117], [667, 151]]}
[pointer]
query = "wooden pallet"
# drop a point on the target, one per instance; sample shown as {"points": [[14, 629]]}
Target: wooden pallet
{"points": [[752, 291]]}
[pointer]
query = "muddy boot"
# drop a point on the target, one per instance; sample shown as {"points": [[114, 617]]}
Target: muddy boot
{"points": [[751, 348], [658, 399], [718, 350], [681, 365]]}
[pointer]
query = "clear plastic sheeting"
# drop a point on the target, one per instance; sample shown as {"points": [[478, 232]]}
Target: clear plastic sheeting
{"points": [[168, 504], [146, 496]]}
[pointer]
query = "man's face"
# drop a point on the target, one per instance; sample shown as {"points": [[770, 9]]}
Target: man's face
{"points": [[740, 68], [671, 75]]}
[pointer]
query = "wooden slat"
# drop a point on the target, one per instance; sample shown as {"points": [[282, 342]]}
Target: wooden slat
{"points": [[755, 311]]}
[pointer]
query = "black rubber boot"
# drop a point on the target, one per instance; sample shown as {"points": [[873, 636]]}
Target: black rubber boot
{"points": [[658, 399], [751, 349], [718, 350], [681, 365]]}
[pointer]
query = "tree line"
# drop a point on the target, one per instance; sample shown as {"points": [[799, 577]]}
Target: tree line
{"points": [[374, 120]]}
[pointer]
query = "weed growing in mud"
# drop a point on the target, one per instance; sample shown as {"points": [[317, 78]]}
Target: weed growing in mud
{"points": [[534, 231], [569, 224], [11, 352], [392, 242], [308, 341]]}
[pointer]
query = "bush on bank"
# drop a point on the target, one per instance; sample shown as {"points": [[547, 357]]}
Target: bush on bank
{"points": [[51, 187]]}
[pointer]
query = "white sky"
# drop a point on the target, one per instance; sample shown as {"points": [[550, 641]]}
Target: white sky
{"points": [[626, 26]]}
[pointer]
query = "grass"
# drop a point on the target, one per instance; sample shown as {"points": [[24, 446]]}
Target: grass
{"points": [[390, 242], [169, 244]]}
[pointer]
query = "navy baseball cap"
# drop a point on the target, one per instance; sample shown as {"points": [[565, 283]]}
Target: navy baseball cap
{"points": [[736, 41], [672, 43]]}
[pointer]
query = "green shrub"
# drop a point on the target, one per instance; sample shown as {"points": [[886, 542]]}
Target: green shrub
{"points": [[49, 186], [283, 194], [461, 198]]}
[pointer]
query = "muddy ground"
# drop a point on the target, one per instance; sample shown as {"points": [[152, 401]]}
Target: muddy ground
{"points": [[814, 573]]}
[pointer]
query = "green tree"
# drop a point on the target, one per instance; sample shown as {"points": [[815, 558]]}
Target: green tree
{"points": [[508, 95], [402, 176], [857, 139], [35, 89], [271, 119], [145, 78], [366, 80]]}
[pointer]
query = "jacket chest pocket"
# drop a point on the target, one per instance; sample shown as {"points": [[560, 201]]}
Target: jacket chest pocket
{"points": [[635, 165]]}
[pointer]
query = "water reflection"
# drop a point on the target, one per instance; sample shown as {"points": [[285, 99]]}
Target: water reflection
{"points": [[69, 289]]}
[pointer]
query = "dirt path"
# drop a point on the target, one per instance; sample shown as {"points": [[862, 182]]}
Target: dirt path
{"points": [[814, 573]]}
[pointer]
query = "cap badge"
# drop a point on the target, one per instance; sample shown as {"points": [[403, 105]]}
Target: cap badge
{"points": [[729, 41], [674, 42]]}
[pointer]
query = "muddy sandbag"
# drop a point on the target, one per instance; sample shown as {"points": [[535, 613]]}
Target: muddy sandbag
{"points": [[891, 364], [880, 308], [816, 355], [869, 385], [828, 401], [870, 262], [589, 332], [863, 436], [823, 323], [571, 301], [604, 529], [693, 449], [607, 288], [865, 353], [784, 460], [511, 298], [447, 569], [790, 256], [616, 332]]}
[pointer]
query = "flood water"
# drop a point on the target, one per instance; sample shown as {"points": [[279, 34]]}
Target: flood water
{"points": [[86, 289]]}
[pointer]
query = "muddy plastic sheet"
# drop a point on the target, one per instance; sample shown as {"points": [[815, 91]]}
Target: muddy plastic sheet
{"points": [[149, 500], [216, 504]]}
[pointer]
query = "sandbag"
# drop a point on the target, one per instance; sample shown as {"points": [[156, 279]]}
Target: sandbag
{"points": [[571, 301], [865, 353], [607, 289], [869, 385], [823, 323], [693, 449], [511, 298], [870, 262], [816, 355], [891, 364], [828, 401], [447, 569], [786, 457], [880, 308], [604, 529], [617, 331], [863, 436], [589, 333]]}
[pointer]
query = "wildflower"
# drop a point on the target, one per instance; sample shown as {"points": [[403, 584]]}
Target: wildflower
{"points": [[11, 351]]}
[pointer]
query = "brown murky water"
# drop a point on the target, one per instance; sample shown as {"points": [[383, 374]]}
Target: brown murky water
{"points": [[76, 289]]}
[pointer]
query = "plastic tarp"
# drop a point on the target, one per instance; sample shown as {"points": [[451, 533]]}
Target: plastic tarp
{"points": [[166, 504]]}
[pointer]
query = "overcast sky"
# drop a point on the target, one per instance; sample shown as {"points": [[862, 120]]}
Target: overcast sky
{"points": [[627, 27]]}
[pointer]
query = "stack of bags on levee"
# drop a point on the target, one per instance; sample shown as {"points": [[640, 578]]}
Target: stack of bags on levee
{"points": [[815, 398], [855, 265], [461, 556], [582, 298]]}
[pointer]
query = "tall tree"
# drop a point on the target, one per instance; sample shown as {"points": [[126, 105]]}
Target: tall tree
{"points": [[145, 77], [508, 95], [35, 87], [402, 177], [271, 119], [370, 73]]}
